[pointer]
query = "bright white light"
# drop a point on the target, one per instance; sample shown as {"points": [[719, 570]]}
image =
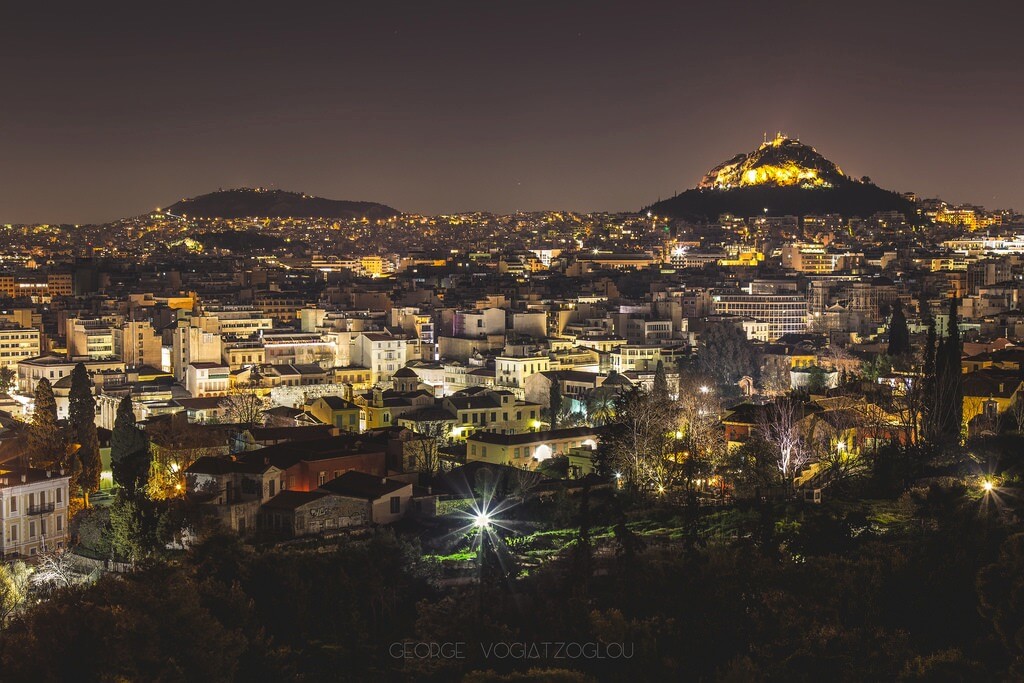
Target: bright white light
{"points": [[482, 520], [618, 475], [705, 389], [987, 485]]}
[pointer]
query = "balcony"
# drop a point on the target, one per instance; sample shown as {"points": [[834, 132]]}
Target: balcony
{"points": [[41, 509]]}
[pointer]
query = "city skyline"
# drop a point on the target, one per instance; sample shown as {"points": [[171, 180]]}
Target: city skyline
{"points": [[498, 109]]}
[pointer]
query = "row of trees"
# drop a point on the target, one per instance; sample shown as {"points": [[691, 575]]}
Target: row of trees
{"points": [[74, 448]]}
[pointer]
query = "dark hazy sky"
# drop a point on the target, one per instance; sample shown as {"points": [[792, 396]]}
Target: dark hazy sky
{"points": [[497, 105]]}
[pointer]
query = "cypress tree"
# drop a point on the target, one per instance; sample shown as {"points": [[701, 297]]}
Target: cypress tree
{"points": [[129, 449], [928, 383], [660, 389], [899, 333], [554, 402], [82, 416], [949, 383], [45, 442]]}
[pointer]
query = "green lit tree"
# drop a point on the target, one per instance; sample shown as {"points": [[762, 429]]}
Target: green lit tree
{"points": [[129, 450], [8, 377], [554, 402], [82, 416]]}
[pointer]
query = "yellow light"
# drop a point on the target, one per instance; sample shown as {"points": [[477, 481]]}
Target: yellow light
{"points": [[987, 485]]}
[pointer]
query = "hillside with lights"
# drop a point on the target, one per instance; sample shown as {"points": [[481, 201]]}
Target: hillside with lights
{"points": [[782, 176]]}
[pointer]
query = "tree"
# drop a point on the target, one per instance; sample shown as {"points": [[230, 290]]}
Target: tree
{"points": [[1018, 413], [838, 455], [600, 407], [948, 406], [700, 437], [879, 365], [660, 387], [244, 405], [129, 535], [899, 333], [129, 449], [726, 354], [554, 402], [780, 427], [14, 586], [641, 444], [8, 377], [425, 443], [45, 442], [82, 416], [999, 588], [55, 568]]}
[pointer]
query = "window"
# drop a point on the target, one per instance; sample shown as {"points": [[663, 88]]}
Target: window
{"points": [[322, 478], [396, 505], [42, 526], [14, 504], [14, 533], [60, 522], [31, 529], [60, 495], [273, 488]]}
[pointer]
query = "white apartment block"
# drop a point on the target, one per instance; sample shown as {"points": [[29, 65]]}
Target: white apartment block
{"points": [[784, 313], [381, 353]]}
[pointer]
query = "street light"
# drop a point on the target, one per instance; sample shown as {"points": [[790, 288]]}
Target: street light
{"points": [[482, 520], [987, 486], [704, 389]]}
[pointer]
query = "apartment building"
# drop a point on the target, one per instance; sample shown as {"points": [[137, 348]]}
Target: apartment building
{"points": [[18, 344], [33, 511], [784, 313], [137, 344]]}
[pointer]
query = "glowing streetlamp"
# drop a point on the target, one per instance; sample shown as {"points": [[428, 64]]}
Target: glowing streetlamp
{"points": [[987, 486], [482, 520], [704, 389]]}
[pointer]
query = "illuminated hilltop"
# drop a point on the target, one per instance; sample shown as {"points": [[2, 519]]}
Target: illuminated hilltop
{"points": [[780, 162], [781, 177]]}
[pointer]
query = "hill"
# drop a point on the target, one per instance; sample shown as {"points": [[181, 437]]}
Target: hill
{"points": [[786, 177], [249, 203]]}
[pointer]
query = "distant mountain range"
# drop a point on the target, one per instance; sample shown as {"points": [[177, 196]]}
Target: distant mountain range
{"points": [[781, 177], [251, 203]]}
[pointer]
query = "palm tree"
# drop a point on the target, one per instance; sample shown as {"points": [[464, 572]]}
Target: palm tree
{"points": [[600, 407]]}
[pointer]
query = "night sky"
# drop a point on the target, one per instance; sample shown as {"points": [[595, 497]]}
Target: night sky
{"points": [[442, 106]]}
